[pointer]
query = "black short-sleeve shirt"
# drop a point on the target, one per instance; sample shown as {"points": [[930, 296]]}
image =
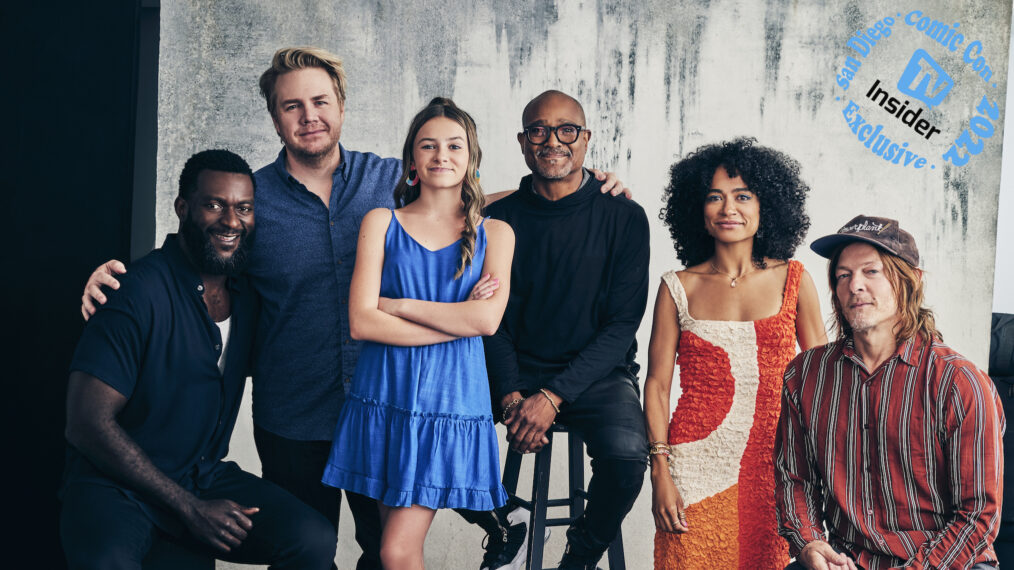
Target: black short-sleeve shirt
{"points": [[155, 343]]}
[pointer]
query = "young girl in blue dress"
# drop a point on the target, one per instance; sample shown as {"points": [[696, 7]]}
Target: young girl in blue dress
{"points": [[431, 277]]}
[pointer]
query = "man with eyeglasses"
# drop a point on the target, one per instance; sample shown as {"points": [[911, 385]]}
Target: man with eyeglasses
{"points": [[565, 348]]}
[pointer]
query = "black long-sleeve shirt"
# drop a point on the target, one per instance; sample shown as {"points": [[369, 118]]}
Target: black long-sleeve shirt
{"points": [[579, 285]]}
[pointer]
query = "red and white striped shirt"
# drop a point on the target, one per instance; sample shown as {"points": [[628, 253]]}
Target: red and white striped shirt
{"points": [[903, 466]]}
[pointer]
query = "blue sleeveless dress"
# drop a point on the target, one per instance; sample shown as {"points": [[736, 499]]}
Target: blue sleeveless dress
{"points": [[416, 427]]}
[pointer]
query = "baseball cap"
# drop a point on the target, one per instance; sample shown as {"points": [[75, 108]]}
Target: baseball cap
{"points": [[884, 233]]}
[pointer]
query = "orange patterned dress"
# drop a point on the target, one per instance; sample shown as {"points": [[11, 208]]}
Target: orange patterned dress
{"points": [[723, 434]]}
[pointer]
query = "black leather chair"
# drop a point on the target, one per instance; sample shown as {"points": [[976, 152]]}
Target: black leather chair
{"points": [[1001, 370]]}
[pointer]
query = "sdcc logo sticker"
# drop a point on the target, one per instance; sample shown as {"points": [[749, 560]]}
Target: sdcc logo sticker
{"points": [[911, 96]]}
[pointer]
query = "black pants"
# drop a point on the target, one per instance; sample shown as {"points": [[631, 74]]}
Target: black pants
{"points": [[609, 418], [297, 467], [102, 528]]}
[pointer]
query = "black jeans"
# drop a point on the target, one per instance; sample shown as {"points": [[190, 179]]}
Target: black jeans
{"points": [[297, 467], [609, 418], [102, 528]]}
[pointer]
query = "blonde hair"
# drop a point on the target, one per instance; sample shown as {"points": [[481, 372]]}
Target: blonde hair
{"points": [[293, 58], [472, 197], [907, 283]]}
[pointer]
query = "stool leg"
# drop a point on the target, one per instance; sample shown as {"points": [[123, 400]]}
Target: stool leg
{"points": [[616, 561], [575, 466], [540, 494], [511, 472]]}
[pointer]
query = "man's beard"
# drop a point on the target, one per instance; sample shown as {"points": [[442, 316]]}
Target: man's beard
{"points": [[313, 157], [560, 171], [207, 258]]}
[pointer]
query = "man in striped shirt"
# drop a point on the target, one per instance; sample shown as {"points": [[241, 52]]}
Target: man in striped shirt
{"points": [[888, 453]]}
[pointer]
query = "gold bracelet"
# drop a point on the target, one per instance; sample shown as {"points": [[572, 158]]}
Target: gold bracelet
{"points": [[660, 448], [550, 398], [507, 409]]}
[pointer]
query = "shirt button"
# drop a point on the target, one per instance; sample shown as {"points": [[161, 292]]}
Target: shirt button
{"points": [[200, 287], [202, 458], [347, 380], [332, 224], [218, 347], [339, 262], [346, 341]]}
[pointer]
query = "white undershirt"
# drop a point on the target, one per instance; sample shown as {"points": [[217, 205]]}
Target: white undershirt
{"points": [[224, 328]]}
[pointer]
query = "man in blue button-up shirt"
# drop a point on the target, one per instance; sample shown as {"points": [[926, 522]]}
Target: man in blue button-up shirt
{"points": [[153, 395]]}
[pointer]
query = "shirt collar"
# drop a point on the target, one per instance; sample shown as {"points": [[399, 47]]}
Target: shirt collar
{"points": [[908, 351], [343, 168]]}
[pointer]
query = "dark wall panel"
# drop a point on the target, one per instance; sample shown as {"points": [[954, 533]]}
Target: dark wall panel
{"points": [[70, 82]]}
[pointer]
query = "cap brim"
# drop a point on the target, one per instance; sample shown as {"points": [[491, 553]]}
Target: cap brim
{"points": [[826, 245]]}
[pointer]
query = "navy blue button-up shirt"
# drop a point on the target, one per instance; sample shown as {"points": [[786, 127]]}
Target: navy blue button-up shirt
{"points": [[154, 342], [301, 266]]}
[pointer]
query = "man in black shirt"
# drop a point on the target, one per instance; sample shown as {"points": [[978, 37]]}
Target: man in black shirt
{"points": [[565, 348], [154, 390]]}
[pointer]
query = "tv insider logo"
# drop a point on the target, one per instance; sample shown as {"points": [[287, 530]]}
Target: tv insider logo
{"points": [[893, 118]]}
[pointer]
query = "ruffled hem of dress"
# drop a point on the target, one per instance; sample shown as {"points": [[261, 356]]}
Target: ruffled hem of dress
{"points": [[402, 458], [434, 498]]}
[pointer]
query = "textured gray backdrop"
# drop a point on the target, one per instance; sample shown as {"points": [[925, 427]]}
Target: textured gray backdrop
{"points": [[657, 80]]}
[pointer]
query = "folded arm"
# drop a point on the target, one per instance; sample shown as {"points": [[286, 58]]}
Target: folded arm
{"points": [[473, 317], [366, 320]]}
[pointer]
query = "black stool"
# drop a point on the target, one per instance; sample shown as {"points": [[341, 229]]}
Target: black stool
{"points": [[537, 522]]}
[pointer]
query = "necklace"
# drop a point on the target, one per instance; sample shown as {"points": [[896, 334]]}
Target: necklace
{"points": [[734, 278]]}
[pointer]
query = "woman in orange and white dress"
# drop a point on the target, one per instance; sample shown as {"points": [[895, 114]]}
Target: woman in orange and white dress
{"points": [[731, 320]]}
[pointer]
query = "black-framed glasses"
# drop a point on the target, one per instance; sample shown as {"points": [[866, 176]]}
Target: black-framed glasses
{"points": [[566, 133]]}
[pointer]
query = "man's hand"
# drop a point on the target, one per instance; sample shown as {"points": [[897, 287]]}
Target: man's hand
{"points": [[818, 555], [103, 275], [221, 523], [529, 421], [611, 183]]}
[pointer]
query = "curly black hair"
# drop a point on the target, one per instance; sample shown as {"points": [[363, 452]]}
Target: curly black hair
{"points": [[220, 160], [773, 177]]}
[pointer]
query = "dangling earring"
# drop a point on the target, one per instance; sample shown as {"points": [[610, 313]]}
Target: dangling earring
{"points": [[477, 175], [413, 177]]}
